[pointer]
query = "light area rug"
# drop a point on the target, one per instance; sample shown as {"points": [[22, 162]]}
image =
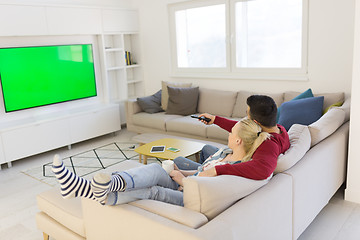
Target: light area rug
{"points": [[87, 163]]}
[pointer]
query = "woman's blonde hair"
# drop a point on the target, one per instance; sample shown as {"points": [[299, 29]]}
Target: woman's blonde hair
{"points": [[252, 136]]}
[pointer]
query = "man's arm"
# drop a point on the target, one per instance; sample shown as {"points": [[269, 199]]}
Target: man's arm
{"points": [[261, 166], [225, 123]]}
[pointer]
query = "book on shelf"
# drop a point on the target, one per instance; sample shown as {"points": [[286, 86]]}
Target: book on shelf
{"points": [[128, 58]]}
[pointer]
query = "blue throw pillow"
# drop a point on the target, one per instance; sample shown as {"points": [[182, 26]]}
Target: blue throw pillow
{"points": [[302, 111], [308, 93]]}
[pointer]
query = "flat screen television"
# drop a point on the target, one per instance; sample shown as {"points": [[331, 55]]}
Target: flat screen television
{"points": [[43, 75]]}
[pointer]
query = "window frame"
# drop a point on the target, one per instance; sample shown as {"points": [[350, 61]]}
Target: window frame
{"points": [[173, 41], [231, 71]]}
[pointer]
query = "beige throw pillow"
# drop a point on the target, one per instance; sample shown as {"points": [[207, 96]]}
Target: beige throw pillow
{"points": [[165, 93], [326, 125], [212, 195], [300, 140]]}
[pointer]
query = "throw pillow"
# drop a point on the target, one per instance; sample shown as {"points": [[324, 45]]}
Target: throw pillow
{"points": [[300, 140], [337, 104], [308, 93], [182, 101], [165, 94], [151, 104], [346, 108], [331, 98], [212, 195], [302, 111], [326, 125]]}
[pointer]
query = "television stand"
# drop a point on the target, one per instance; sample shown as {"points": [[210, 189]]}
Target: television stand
{"points": [[29, 136]]}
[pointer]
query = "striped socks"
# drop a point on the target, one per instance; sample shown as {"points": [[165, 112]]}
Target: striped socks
{"points": [[103, 183], [71, 184]]}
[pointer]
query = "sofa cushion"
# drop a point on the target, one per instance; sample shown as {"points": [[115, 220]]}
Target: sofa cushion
{"points": [[186, 125], [165, 94], [216, 132], [212, 195], [303, 111], [329, 98], [155, 121], [241, 106], [216, 102], [151, 104], [67, 212], [300, 140], [326, 125], [182, 101]]}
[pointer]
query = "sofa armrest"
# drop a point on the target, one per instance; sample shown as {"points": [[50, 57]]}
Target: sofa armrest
{"points": [[126, 221], [178, 214], [132, 107]]}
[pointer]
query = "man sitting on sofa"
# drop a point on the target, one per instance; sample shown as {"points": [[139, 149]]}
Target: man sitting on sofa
{"points": [[263, 110]]}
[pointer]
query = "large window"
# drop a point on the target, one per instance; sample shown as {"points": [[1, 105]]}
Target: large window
{"points": [[239, 38], [200, 37]]}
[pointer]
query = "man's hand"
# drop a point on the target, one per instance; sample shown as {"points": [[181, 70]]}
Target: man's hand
{"points": [[177, 176], [212, 117]]}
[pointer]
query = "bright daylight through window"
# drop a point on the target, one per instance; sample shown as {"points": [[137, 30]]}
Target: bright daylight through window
{"points": [[232, 36], [200, 37]]}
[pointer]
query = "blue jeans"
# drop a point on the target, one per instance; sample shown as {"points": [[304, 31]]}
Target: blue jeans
{"points": [[147, 182], [187, 164]]}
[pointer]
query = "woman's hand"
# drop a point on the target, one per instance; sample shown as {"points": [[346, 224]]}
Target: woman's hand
{"points": [[212, 117], [177, 176]]}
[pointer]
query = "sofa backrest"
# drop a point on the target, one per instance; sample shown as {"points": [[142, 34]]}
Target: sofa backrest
{"points": [[240, 107], [233, 104], [216, 102], [329, 98]]}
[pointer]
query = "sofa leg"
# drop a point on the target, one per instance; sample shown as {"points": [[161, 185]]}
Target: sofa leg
{"points": [[46, 237]]}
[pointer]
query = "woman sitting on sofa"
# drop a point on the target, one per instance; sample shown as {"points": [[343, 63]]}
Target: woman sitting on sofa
{"points": [[152, 181], [261, 109]]}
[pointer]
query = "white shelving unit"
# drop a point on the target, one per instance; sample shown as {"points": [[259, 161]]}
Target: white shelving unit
{"points": [[24, 134], [122, 81]]}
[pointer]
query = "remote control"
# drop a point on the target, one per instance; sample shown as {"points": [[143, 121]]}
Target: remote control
{"points": [[201, 118]]}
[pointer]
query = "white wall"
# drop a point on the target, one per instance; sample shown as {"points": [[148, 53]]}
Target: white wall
{"points": [[352, 192], [331, 35], [117, 3]]}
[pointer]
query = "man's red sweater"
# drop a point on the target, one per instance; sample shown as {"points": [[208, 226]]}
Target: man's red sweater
{"points": [[264, 159]]}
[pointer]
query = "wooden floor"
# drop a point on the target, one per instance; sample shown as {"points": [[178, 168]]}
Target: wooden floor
{"points": [[339, 219]]}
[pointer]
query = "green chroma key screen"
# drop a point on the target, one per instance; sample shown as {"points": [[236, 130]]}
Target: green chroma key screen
{"points": [[43, 75]]}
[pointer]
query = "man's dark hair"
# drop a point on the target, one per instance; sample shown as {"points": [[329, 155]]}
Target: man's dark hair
{"points": [[263, 109]]}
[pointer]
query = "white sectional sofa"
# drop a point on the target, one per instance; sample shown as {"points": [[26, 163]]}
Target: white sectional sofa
{"points": [[281, 209]]}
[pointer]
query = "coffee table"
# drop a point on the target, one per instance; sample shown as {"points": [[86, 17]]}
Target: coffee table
{"points": [[187, 148]]}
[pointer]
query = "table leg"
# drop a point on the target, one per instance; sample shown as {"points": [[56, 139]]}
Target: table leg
{"points": [[145, 160], [197, 156], [140, 158]]}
